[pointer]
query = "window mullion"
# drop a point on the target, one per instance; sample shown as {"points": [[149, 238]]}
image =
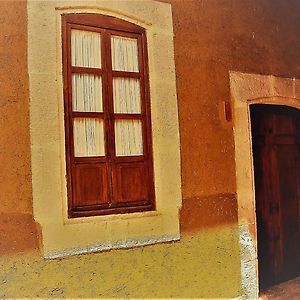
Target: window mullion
{"points": [[143, 98], [109, 84], [109, 122]]}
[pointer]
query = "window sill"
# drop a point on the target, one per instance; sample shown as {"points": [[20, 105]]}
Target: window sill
{"points": [[106, 218]]}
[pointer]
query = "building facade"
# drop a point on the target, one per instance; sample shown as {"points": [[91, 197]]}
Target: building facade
{"points": [[207, 62]]}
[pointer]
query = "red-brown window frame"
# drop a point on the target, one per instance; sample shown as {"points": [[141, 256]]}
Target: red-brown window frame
{"points": [[107, 25]]}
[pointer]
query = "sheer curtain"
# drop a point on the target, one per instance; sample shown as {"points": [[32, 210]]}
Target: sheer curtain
{"points": [[128, 135], [127, 97], [88, 137], [85, 49], [124, 54], [87, 94]]}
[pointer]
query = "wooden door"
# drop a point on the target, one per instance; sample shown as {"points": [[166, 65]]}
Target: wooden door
{"points": [[275, 141]]}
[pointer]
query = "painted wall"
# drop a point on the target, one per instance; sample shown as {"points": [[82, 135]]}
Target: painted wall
{"points": [[211, 38], [17, 228]]}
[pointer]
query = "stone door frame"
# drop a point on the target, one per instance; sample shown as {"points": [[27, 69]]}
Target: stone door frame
{"points": [[247, 89]]}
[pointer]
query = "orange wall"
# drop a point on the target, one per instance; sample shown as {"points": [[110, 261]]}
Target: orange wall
{"points": [[17, 229], [211, 38], [15, 177]]}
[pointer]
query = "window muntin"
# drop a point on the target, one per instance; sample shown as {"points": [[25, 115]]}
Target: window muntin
{"points": [[108, 126]]}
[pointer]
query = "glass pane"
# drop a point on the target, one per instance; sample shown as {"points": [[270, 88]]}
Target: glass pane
{"points": [[127, 96], [124, 54], [87, 93], [88, 137], [129, 139], [86, 48]]}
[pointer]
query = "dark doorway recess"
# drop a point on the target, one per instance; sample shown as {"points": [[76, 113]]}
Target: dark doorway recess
{"points": [[275, 142]]}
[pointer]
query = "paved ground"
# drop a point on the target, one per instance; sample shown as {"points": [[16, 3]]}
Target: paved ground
{"points": [[289, 290]]}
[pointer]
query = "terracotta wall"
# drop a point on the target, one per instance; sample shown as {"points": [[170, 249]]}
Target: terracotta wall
{"points": [[211, 38], [17, 228]]}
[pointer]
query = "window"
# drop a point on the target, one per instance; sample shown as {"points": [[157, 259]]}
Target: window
{"points": [[107, 116], [50, 79]]}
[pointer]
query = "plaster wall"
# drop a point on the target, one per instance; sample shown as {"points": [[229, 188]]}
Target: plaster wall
{"points": [[199, 266], [213, 37], [18, 231]]}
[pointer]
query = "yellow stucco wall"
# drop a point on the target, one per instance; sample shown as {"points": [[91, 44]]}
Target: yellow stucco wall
{"points": [[203, 265]]}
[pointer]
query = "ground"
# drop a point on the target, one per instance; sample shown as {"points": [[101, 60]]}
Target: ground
{"points": [[289, 290]]}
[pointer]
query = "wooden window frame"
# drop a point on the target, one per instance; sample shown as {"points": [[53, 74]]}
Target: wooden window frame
{"points": [[107, 26]]}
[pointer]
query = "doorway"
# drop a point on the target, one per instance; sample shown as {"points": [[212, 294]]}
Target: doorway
{"points": [[276, 158]]}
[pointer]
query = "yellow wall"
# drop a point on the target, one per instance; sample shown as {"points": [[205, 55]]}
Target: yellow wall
{"points": [[204, 265]]}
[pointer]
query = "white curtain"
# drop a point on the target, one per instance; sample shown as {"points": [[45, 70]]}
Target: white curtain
{"points": [[87, 93], [124, 54], [85, 48], [128, 137], [88, 137], [127, 95]]}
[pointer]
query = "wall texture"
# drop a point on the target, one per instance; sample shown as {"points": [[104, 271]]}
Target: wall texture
{"points": [[17, 228], [211, 38], [200, 266]]}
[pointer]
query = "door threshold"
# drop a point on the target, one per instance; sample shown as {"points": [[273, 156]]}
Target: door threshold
{"points": [[285, 290]]}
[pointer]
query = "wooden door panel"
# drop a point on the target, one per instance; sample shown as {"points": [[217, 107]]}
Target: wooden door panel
{"points": [[284, 140], [132, 182], [264, 230], [288, 174], [91, 185], [285, 143], [275, 134], [283, 122]]}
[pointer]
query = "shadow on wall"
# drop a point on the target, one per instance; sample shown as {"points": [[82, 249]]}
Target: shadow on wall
{"points": [[18, 233], [208, 212]]}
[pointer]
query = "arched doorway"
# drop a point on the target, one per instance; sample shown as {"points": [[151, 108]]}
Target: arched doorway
{"points": [[246, 90], [276, 159]]}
